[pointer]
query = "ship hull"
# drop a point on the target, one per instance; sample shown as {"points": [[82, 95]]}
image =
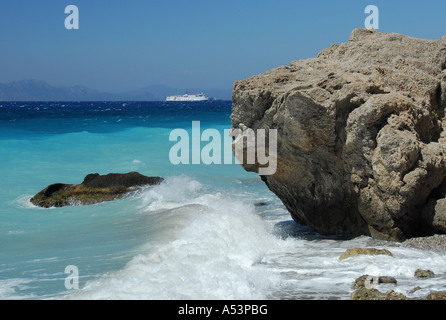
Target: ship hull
{"points": [[186, 97]]}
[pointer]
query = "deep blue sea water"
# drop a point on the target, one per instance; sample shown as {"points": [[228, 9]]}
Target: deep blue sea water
{"points": [[198, 235]]}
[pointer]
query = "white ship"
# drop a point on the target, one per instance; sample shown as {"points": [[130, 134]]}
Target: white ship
{"points": [[188, 97]]}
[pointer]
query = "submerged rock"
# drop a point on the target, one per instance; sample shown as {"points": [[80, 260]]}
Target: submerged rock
{"points": [[94, 189], [367, 288], [424, 274], [364, 251], [367, 281], [374, 294], [412, 291], [360, 140]]}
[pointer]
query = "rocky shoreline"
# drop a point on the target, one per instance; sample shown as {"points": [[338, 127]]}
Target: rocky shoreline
{"points": [[376, 287], [435, 243]]}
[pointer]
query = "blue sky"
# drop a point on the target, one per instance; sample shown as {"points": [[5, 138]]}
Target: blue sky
{"points": [[125, 45]]}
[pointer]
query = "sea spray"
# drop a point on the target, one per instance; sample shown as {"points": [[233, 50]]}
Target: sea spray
{"points": [[204, 246]]}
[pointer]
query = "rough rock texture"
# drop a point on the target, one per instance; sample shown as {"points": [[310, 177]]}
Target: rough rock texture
{"points": [[424, 274], [361, 146], [94, 189], [436, 242], [366, 280], [441, 295], [374, 294], [364, 251], [362, 293]]}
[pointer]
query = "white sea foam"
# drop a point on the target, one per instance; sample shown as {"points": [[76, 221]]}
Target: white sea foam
{"points": [[204, 246], [23, 202], [10, 287], [12, 232], [214, 245]]}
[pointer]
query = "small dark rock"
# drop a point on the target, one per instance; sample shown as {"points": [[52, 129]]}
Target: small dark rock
{"points": [[367, 280], [414, 290], [387, 279], [424, 274], [94, 189], [260, 204]]}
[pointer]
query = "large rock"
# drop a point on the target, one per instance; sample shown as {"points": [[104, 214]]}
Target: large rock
{"points": [[94, 189], [361, 146]]}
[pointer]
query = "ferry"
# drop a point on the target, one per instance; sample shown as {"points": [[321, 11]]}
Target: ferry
{"points": [[188, 97]]}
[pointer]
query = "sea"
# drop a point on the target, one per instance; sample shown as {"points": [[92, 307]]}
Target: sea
{"points": [[207, 232]]}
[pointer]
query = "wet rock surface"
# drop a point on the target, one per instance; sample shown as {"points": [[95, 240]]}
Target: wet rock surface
{"points": [[94, 189]]}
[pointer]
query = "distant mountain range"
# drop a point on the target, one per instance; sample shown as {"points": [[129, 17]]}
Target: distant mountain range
{"points": [[36, 90]]}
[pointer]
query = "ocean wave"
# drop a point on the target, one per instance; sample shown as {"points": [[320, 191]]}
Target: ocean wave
{"points": [[203, 245], [23, 202], [202, 242], [9, 288]]}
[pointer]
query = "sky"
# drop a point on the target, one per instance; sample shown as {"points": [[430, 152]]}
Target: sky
{"points": [[126, 45]]}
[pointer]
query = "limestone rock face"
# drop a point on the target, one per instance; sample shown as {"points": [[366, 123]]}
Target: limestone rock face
{"points": [[361, 146]]}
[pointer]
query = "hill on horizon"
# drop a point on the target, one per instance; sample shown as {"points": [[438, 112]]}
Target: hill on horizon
{"points": [[38, 90]]}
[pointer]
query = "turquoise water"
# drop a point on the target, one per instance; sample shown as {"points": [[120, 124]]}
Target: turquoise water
{"points": [[198, 235], [45, 143]]}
